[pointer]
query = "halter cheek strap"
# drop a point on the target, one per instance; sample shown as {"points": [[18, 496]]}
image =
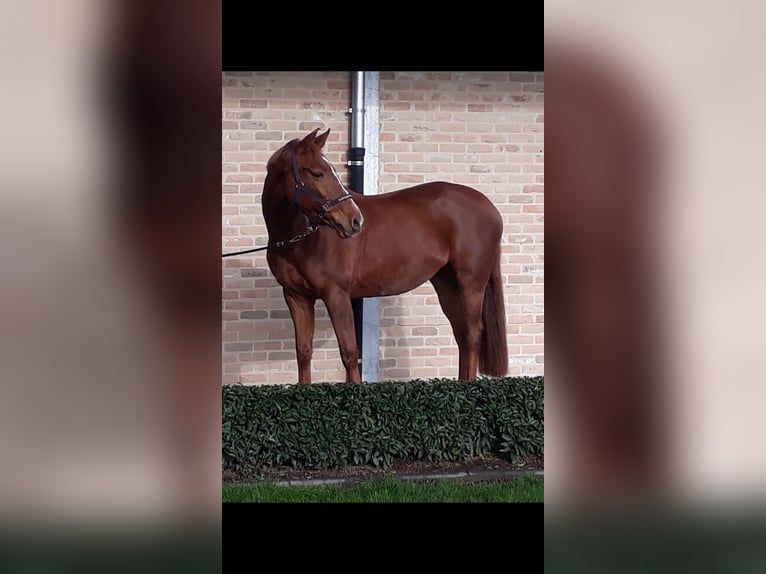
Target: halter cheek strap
{"points": [[300, 187]]}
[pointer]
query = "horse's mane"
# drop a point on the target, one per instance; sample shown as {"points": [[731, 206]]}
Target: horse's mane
{"points": [[277, 155], [273, 175]]}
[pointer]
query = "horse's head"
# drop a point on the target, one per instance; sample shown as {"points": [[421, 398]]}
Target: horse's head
{"points": [[314, 186]]}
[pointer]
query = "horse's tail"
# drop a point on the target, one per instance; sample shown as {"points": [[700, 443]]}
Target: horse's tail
{"points": [[493, 358]]}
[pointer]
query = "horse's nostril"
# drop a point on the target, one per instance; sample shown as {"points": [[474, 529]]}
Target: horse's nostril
{"points": [[356, 223]]}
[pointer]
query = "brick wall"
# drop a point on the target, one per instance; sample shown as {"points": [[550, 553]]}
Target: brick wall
{"points": [[483, 129]]}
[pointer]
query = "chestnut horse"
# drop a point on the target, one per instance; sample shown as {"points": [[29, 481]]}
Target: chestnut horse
{"points": [[382, 245]]}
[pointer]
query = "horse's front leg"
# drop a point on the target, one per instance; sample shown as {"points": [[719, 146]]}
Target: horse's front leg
{"points": [[338, 305], [302, 312]]}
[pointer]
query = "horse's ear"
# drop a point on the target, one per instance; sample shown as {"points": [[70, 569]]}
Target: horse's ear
{"points": [[320, 141], [308, 141]]}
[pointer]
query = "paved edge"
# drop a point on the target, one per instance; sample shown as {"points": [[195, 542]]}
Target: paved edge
{"points": [[471, 476]]}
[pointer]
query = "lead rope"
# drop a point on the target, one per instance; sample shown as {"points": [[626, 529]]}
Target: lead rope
{"points": [[292, 241], [300, 187]]}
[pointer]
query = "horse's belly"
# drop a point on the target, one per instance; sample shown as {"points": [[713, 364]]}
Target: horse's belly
{"points": [[383, 290], [394, 279]]}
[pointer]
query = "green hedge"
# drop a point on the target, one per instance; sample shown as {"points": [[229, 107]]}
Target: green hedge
{"points": [[328, 425]]}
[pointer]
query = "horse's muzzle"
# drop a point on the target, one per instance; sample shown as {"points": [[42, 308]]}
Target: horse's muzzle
{"points": [[348, 222]]}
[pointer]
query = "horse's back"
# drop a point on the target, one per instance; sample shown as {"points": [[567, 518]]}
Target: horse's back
{"points": [[442, 204], [438, 190]]}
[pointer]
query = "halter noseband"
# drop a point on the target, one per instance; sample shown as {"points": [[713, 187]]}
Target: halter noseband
{"points": [[324, 205]]}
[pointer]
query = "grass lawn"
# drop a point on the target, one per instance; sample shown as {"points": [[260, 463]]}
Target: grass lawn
{"points": [[390, 490]]}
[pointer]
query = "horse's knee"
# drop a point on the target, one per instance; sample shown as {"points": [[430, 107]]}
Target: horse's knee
{"points": [[304, 353], [349, 357]]}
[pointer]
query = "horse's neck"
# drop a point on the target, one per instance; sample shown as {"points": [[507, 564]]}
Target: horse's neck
{"points": [[283, 220]]}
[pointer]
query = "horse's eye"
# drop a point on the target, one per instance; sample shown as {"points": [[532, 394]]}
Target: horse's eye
{"points": [[317, 174]]}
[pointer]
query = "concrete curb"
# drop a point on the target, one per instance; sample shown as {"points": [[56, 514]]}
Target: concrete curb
{"points": [[473, 476]]}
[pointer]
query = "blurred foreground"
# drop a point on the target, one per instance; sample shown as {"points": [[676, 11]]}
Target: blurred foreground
{"points": [[110, 171], [655, 179], [655, 273]]}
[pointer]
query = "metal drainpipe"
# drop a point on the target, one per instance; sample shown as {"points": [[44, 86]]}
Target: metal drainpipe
{"points": [[363, 178], [371, 324], [356, 183]]}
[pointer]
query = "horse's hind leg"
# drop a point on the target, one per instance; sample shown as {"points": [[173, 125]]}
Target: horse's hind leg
{"points": [[461, 302], [302, 313]]}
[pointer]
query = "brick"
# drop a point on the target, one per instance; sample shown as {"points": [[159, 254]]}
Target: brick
{"points": [[393, 85], [395, 311], [254, 145], [395, 352], [239, 178], [425, 352], [262, 345], [253, 125], [410, 179], [535, 87], [268, 135], [521, 77], [280, 355], [437, 362], [425, 330], [229, 347], [410, 341], [247, 103], [238, 242], [520, 199], [252, 357], [253, 314], [396, 374], [479, 107], [438, 341], [237, 115], [237, 135]]}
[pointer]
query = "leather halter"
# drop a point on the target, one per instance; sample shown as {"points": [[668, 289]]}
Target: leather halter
{"points": [[325, 205]]}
